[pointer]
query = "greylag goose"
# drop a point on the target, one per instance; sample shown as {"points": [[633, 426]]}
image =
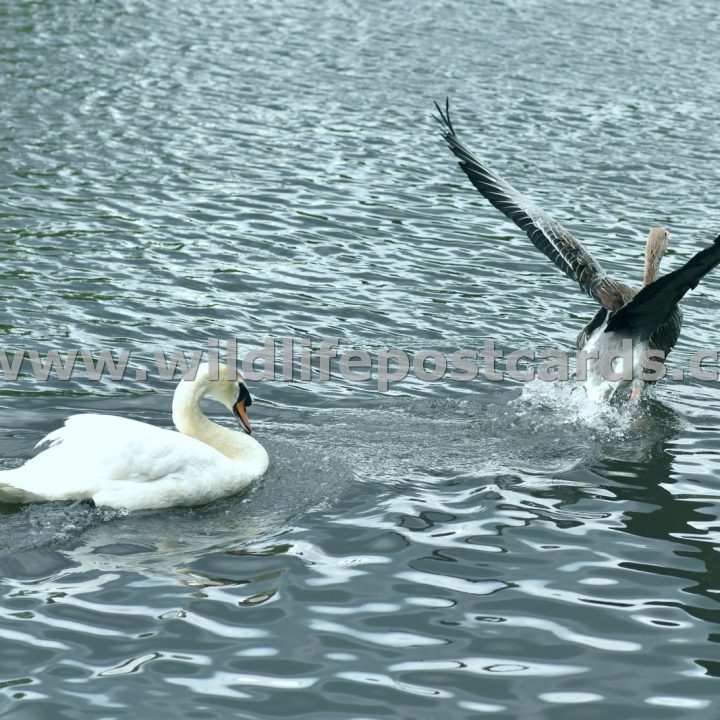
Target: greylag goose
{"points": [[649, 317]]}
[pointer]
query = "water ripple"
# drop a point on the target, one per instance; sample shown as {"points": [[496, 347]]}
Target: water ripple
{"points": [[174, 173]]}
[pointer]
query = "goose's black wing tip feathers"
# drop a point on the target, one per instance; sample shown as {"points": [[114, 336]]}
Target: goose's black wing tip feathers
{"points": [[546, 234], [443, 118]]}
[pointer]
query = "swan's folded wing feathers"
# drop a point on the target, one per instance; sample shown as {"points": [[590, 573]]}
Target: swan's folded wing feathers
{"points": [[139, 451], [548, 236]]}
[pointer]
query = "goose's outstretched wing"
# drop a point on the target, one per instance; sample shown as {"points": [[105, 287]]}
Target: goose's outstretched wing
{"points": [[546, 234], [654, 305]]}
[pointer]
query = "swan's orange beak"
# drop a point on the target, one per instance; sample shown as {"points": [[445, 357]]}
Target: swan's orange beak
{"points": [[241, 415]]}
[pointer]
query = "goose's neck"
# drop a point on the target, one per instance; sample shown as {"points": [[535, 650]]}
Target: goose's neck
{"points": [[652, 264], [190, 420]]}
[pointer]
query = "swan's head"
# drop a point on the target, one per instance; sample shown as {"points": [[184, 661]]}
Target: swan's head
{"points": [[227, 385], [657, 243]]}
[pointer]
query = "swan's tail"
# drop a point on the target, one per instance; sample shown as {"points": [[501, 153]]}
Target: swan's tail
{"points": [[12, 494]]}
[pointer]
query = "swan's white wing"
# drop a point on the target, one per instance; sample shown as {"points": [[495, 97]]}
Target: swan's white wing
{"points": [[91, 451]]}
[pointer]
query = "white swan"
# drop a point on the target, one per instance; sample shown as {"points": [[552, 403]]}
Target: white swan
{"points": [[121, 463]]}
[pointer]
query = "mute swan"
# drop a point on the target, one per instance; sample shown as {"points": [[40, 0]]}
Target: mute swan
{"points": [[127, 464], [650, 317]]}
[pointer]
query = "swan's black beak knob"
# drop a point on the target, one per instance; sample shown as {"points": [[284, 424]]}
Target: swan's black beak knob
{"points": [[243, 402]]}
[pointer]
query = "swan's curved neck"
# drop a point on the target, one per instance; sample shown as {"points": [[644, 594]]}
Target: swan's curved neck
{"points": [[190, 420]]}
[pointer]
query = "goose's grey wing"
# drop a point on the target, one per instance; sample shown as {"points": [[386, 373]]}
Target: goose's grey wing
{"points": [[654, 306], [546, 234], [666, 335]]}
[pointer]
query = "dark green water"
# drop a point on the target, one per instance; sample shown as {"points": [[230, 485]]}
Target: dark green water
{"points": [[174, 172]]}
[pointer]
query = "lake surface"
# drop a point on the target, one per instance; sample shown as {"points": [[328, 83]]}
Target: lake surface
{"points": [[178, 172]]}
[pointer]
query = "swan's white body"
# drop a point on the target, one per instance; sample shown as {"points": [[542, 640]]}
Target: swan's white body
{"points": [[123, 463]]}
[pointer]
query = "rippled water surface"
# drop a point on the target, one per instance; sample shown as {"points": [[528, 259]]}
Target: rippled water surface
{"points": [[181, 171]]}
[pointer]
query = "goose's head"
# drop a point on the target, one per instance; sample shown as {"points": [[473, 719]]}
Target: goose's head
{"points": [[657, 243], [227, 385]]}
